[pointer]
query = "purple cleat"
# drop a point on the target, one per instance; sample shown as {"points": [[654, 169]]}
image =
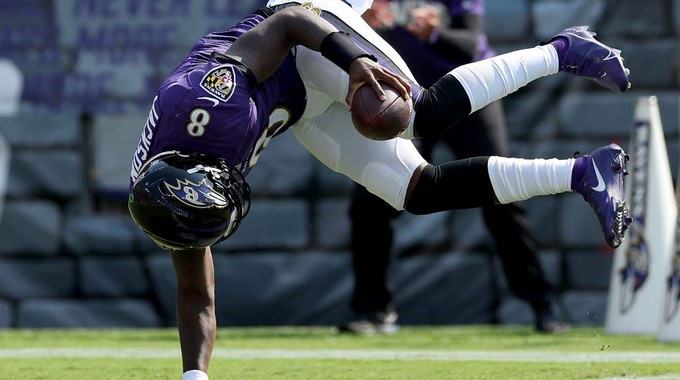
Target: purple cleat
{"points": [[586, 57], [602, 188]]}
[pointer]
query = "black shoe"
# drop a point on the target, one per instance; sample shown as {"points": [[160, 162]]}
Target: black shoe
{"points": [[383, 322], [548, 322]]}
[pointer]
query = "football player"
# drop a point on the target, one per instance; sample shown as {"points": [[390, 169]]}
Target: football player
{"points": [[296, 65], [434, 37]]}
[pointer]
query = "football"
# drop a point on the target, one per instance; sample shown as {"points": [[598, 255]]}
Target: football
{"points": [[380, 120]]}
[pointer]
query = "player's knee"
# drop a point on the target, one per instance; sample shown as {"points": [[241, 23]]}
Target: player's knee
{"points": [[417, 202], [440, 107]]}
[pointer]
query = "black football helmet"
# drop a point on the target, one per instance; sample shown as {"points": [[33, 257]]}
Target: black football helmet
{"points": [[188, 200]]}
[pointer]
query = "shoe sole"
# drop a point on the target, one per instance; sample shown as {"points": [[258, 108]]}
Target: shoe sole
{"points": [[619, 223]]}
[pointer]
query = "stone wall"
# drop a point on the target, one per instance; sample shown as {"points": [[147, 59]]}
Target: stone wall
{"points": [[70, 256]]}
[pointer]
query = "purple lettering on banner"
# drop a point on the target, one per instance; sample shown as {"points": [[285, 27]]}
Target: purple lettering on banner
{"points": [[83, 88], [49, 59], [158, 9], [27, 36], [106, 55], [23, 11], [230, 9], [43, 88], [43, 71], [133, 7], [118, 23], [180, 7], [121, 35], [95, 8], [26, 24]]}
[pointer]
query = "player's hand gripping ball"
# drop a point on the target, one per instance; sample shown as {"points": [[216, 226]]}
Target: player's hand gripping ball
{"points": [[380, 120]]}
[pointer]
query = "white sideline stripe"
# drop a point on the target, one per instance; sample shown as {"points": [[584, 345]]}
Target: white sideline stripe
{"points": [[484, 356]]}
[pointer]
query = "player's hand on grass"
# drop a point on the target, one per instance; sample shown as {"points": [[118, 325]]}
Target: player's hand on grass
{"points": [[366, 71], [195, 374]]}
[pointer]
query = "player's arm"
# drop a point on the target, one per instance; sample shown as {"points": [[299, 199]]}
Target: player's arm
{"points": [[263, 48], [196, 320]]}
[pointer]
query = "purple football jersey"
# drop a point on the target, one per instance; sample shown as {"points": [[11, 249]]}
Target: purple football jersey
{"points": [[211, 104]]}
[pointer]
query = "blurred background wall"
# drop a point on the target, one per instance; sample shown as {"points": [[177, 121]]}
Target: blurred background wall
{"points": [[71, 257]]}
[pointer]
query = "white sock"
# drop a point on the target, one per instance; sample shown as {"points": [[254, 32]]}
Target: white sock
{"points": [[492, 79], [195, 374], [517, 179]]}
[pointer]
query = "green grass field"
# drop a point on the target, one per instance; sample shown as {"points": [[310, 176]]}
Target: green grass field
{"points": [[460, 352]]}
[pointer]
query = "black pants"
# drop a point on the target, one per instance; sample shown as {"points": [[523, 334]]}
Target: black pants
{"points": [[480, 134]]}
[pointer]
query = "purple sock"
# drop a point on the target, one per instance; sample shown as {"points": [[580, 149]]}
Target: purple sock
{"points": [[579, 170], [561, 44]]}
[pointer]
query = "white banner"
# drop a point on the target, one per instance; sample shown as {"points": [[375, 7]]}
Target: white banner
{"points": [[640, 268], [670, 320]]}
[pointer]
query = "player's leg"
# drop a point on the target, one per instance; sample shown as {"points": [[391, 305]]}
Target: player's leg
{"points": [[371, 164], [471, 87], [517, 251], [371, 247], [385, 168], [327, 132], [396, 172], [483, 133], [481, 181]]}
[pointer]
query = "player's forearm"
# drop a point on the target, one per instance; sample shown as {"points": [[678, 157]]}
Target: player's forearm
{"points": [[197, 329], [195, 306], [306, 28]]}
